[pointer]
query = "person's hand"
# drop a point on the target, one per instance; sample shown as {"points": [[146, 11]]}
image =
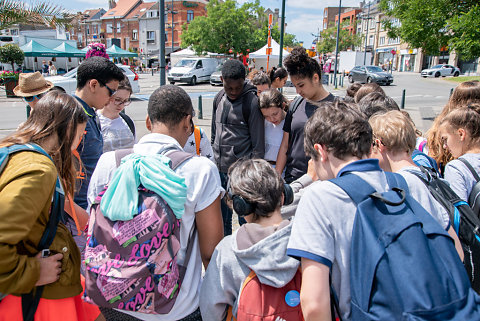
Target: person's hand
{"points": [[50, 268], [311, 170]]}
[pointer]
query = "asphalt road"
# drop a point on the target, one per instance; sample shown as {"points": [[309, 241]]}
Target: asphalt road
{"points": [[423, 100]]}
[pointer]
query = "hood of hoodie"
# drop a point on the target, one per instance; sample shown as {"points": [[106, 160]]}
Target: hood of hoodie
{"points": [[266, 257], [154, 143]]}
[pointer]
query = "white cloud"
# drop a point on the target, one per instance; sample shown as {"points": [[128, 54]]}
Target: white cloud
{"points": [[96, 3], [304, 22]]}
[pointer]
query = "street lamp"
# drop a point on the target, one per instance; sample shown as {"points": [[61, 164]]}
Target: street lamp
{"points": [[84, 19], [366, 34], [161, 51], [282, 29]]}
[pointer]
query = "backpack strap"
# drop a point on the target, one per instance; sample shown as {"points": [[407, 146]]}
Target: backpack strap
{"points": [[129, 122], [296, 102], [470, 168], [177, 157], [198, 136], [422, 145], [121, 153]]}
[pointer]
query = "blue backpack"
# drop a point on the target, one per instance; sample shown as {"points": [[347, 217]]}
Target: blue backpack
{"points": [[30, 300], [403, 264], [422, 159]]}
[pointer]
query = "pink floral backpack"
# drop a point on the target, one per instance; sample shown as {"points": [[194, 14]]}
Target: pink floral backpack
{"points": [[137, 265]]}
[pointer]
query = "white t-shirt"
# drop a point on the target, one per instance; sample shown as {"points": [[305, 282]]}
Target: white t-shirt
{"points": [[203, 187], [273, 140], [116, 133], [205, 146], [460, 178]]}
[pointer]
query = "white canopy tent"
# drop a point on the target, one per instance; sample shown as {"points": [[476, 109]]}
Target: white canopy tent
{"points": [[184, 53], [259, 58]]}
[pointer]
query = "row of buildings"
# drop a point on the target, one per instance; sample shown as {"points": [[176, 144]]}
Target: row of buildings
{"points": [[367, 22]]}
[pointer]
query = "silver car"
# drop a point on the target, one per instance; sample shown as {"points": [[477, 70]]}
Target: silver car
{"points": [[441, 70], [369, 74]]}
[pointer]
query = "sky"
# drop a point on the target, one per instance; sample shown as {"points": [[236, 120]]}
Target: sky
{"points": [[303, 17]]}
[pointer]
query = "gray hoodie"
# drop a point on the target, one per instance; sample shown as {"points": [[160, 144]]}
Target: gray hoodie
{"points": [[251, 247]]}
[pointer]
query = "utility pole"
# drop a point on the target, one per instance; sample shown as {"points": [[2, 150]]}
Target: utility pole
{"points": [[282, 29], [161, 51], [366, 35], [172, 27], [336, 45]]}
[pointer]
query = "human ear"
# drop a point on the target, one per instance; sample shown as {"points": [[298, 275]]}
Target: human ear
{"points": [[148, 123], [322, 152], [462, 133]]}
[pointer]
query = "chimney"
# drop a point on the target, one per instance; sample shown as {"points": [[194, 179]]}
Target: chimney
{"points": [[111, 4]]}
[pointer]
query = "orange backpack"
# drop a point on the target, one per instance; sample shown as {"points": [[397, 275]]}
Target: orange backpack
{"points": [[260, 302]]}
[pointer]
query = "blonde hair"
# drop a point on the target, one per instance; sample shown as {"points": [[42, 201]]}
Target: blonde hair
{"points": [[395, 131], [465, 93]]}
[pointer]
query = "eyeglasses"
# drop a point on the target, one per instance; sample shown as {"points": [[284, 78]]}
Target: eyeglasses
{"points": [[111, 92], [29, 99], [120, 101]]}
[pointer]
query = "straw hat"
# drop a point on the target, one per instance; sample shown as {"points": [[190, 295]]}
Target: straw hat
{"points": [[32, 84]]}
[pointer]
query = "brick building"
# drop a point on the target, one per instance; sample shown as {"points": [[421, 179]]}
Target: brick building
{"points": [[350, 16], [329, 14]]}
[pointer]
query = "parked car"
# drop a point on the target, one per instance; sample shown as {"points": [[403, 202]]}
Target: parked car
{"points": [[368, 74], [215, 77], [68, 81], [192, 70], [440, 70]]}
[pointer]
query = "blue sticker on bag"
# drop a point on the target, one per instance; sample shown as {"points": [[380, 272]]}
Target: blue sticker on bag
{"points": [[292, 298]]}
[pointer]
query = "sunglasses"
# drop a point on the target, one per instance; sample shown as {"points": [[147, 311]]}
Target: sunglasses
{"points": [[29, 99], [119, 102], [111, 92]]}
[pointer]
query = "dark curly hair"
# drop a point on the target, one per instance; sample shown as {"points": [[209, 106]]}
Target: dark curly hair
{"points": [[298, 63]]}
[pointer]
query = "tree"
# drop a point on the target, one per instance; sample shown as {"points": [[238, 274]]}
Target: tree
{"points": [[432, 25], [229, 28], [14, 11], [11, 54], [328, 38]]}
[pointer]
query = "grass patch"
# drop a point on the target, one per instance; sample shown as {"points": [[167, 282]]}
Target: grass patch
{"points": [[464, 78]]}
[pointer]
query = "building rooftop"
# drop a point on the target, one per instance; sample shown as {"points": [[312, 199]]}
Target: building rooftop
{"points": [[122, 8]]}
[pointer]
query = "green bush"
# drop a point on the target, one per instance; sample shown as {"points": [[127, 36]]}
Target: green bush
{"points": [[11, 54]]}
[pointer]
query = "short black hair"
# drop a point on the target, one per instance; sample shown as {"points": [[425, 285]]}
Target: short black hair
{"points": [[233, 69], [99, 68], [298, 63], [279, 72], [168, 105]]}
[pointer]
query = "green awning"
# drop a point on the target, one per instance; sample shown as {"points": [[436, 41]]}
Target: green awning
{"points": [[69, 51], [34, 49], [115, 51]]}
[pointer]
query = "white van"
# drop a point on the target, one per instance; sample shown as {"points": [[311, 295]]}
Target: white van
{"points": [[192, 70]]}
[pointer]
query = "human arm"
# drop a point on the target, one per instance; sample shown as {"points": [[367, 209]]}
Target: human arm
{"points": [[315, 291], [210, 229], [26, 189], [214, 115], [50, 268], [256, 127], [458, 246], [282, 154], [298, 186]]}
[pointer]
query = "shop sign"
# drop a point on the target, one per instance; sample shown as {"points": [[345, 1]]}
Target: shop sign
{"points": [[190, 4]]}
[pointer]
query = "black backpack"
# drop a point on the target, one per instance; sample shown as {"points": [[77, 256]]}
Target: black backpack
{"points": [[464, 221], [473, 198]]}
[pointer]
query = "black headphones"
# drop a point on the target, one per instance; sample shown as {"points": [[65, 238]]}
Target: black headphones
{"points": [[243, 208]]}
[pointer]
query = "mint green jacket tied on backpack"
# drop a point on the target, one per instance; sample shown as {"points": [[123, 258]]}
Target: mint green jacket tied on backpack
{"points": [[120, 201]]}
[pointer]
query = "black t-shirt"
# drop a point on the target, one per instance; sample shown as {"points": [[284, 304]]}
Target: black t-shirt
{"points": [[297, 161]]}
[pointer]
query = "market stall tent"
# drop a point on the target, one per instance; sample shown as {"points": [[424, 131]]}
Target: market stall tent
{"points": [[115, 51], [184, 53], [259, 58]]}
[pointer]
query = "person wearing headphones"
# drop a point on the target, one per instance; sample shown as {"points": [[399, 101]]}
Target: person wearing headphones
{"points": [[256, 192]]}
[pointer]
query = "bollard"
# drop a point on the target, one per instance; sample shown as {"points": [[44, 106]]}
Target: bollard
{"points": [[402, 105], [152, 71], [200, 107], [451, 92]]}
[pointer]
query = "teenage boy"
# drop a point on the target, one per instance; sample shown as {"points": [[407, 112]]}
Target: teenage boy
{"points": [[394, 142], [169, 120], [237, 126], [338, 139], [97, 81]]}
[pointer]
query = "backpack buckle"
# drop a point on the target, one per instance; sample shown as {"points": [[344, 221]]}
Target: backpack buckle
{"points": [[379, 196]]}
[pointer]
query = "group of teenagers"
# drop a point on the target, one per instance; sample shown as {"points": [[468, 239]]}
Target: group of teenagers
{"points": [[168, 198]]}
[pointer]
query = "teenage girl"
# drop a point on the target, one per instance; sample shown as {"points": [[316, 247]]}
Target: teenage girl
{"points": [[278, 77], [27, 186], [306, 76], [460, 133], [271, 103]]}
